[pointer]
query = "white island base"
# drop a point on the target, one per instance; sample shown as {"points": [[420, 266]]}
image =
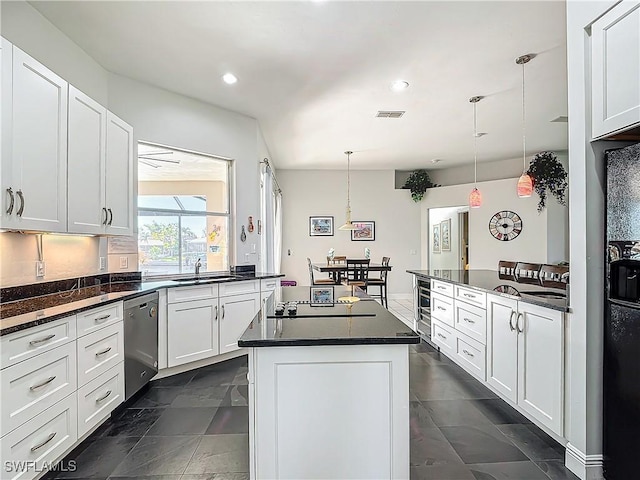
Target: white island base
{"points": [[329, 412]]}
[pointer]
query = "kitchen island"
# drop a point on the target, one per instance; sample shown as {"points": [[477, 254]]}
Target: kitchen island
{"points": [[328, 389]]}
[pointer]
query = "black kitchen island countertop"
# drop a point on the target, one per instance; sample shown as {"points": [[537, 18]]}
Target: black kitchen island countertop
{"points": [[490, 281], [32, 311], [364, 322]]}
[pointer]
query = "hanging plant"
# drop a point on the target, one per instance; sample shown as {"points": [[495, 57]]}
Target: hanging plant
{"points": [[418, 182], [549, 176]]}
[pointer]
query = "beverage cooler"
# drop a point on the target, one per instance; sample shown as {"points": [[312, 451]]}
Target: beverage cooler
{"points": [[424, 309]]}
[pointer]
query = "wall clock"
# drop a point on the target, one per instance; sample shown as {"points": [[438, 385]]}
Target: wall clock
{"points": [[505, 225]]}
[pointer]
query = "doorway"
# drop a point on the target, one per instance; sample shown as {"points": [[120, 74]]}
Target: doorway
{"points": [[448, 238]]}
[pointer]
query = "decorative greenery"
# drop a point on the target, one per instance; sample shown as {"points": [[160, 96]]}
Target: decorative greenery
{"points": [[549, 176], [418, 182]]}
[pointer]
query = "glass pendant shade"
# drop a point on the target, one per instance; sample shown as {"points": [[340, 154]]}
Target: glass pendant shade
{"points": [[348, 225], [525, 186], [475, 198]]}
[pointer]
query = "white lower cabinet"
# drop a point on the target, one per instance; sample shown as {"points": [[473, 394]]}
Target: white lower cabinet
{"points": [[99, 351], [99, 397], [444, 336], [525, 358], [236, 313], [192, 331], [470, 355], [36, 445]]}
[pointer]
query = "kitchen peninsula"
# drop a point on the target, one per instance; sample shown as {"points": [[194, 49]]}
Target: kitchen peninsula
{"points": [[509, 334], [328, 389]]}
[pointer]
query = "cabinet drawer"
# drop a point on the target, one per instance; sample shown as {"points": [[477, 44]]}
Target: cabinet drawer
{"points": [[32, 386], [100, 351], [442, 288], [444, 336], [471, 296], [269, 284], [93, 320], [43, 439], [25, 344], [239, 288], [196, 292], [442, 308], [471, 321], [470, 355], [98, 398]]}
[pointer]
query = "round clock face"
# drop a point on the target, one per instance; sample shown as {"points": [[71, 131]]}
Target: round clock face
{"points": [[505, 225]]}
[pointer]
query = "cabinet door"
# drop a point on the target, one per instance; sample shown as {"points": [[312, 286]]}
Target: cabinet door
{"points": [[39, 164], [6, 115], [502, 346], [119, 176], [236, 313], [86, 157], [541, 365], [615, 47], [192, 331]]}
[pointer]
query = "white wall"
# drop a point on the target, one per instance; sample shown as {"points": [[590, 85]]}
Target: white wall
{"points": [[484, 250], [448, 260], [373, 197]]}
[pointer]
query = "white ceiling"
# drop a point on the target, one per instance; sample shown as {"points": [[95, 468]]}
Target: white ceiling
{"points": [[314, 73]]}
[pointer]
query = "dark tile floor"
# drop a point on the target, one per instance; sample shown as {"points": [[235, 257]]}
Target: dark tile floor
{"points": [[193, 426]]}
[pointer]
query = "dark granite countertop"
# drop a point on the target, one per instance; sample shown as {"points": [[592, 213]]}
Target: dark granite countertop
{"points": [[491, 281], [364, 322], [29, 312]]}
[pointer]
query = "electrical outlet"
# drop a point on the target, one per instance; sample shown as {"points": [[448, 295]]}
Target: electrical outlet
{"points": [[40, 271], [124, 262], [103, 263]]}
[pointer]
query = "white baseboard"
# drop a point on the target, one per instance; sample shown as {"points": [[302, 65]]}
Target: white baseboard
{"points": [[400, 296], [585, 467]]}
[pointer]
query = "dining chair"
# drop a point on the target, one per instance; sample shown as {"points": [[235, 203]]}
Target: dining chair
{"points": [[357, 273], [336, 260], [318, 281], [527, 271], [381, 282]]}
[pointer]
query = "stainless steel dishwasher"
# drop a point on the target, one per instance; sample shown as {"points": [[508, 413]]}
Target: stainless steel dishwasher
{"points": [[140, 342]]}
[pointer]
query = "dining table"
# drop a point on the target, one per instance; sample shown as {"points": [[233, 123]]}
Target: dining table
{"points": [[337, 270]]}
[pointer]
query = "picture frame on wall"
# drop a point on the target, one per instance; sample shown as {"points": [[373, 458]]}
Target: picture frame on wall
{"points": [[445, 235], [435, 239], [321, 296], [364, 232], [320, 226]]}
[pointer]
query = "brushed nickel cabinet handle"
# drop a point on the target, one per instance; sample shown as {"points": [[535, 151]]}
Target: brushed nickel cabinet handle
{"points": [[103, 397], [222, 312], [21, 197], [469, 295], [520, 315], [11, 201], [441, 308], [102, 318], [467, 353], [106, 216], [40, 445], [442, 336], [110, 216], [468, 320], [216, 310], [42, 340], [513, 312], [102, 352], [42, 384]]}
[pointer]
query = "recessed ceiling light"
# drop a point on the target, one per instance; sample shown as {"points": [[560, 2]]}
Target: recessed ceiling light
{"points": [[481, 134], [399, 85], [436, 160], [229, 78]]}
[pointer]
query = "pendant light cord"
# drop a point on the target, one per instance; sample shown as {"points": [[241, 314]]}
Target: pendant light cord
{"points": [[475, 145], [349, 181], [524, 137]]}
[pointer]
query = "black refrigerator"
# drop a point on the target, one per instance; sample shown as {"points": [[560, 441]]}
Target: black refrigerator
{"points": [[621, 371]]}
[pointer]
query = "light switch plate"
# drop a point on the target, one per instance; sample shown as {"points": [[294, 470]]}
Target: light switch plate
{"points": [[124, 262], [103, 263], [40, 270]]}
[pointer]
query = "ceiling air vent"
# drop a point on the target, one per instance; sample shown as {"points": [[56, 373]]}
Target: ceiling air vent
{"points": [[390, 113]]}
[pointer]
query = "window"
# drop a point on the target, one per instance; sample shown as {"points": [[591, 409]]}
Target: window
{"points": [[183, 211]]}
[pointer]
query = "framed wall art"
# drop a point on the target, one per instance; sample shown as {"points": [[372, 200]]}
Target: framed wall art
{"points": [[321, 296], [320, 226], [365, 231], [445, 235], [435, 239]]}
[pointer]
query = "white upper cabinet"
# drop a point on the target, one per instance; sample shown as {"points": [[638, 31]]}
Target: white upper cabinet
{"points": [[87, 144], [615, 47], [35, 176], [119, 177], [6, 116]]}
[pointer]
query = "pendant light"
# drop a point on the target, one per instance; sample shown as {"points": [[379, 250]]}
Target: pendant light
{"points": [[525, 182], [475, 197], [348, 225]]}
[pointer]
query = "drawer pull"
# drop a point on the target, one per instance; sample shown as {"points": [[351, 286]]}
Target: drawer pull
{"points": [[40, 385], [441, 287], [442, 336], [42, 340], [468, 353], [104, 397], [468, 320], [40, 445], [468, 295], [102, 352], [102, 318], [440, 308]]}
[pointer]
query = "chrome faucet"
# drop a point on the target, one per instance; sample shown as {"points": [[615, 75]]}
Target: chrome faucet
{"points": [[198, 266]]}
